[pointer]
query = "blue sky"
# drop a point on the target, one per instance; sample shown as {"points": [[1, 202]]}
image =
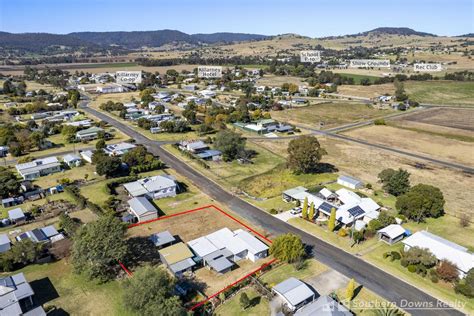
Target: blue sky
{"points": [[270, 17]]}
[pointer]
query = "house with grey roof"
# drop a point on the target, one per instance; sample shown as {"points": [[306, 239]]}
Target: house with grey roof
{"points": [[350, 182], [142, 209], [155, 187], [118, 149], [16, 297], [5, 243], [294, 293], [16, 215], [442, 249], [40, 235], [323, 306], [162, 239], [87, 155], [38, 168], [72, 160], [89, 133]]}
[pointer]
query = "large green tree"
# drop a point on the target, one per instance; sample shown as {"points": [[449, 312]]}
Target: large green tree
{"points": [[108, 166], [9, 183], [231, 144], [395, 182], [304, 154], [98, 246], [287, 248], [421, 201], [150, 292]]}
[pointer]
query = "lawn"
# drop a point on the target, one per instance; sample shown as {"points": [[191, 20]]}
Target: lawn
{"points": [[275, 181], [284, 271], [56, 285], [440, 290], [441, 92], [259, 305], [330, 113], [76, 173], [233, 174], [332, 238], [364, 302]]}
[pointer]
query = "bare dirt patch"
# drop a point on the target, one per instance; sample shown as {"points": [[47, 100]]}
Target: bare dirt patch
{"points": [[432, 145], [454, 118]]}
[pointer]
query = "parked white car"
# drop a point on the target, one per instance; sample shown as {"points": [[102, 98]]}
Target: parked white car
{"points": [[296, 210]]}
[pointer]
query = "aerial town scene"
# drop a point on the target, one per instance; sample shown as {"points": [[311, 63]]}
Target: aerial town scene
{"points": [[173, 158]]}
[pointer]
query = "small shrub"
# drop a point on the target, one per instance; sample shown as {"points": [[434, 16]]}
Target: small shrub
{"points": [[411, 268], [342, 232], [379, 122], [464, 220], [395, 255], [434, 279], [386, 255], [273, 211], [421, 270]]}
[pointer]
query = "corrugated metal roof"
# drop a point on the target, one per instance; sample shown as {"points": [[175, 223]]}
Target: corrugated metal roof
{"points": [[294, 291], [141, 206]]}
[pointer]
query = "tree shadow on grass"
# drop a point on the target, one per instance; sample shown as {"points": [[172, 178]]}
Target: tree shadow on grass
{"points": [[44, 291], [58, 312], [357, 290], [324, 167], [141, 250], [255, 301]]}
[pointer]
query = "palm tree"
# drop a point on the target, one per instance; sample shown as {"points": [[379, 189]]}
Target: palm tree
{"points": [[388, 311]]}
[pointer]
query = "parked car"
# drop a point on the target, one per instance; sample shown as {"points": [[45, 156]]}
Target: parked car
{"points": [[296, 210]]}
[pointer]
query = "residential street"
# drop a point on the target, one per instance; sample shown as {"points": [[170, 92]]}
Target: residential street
{"points": [[382, 283]]}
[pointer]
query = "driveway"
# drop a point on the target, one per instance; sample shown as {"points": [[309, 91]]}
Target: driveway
{"points": [[328, 282], [285, 216]]}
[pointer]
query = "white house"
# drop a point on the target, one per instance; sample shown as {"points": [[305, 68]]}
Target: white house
{"points": [[255, 248], [442, 249], [5, 243], [72, 160], [350, 182], [142, 209], [38, 168], [323, 306], [391, 234], [89, 133], [87, 155], [155, 187], [294, 293], [110, 88], [16, 297], [118, 149]]}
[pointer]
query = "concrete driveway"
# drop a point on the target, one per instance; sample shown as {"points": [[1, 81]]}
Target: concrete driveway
{"points": [[285, 216], [328, 282]]}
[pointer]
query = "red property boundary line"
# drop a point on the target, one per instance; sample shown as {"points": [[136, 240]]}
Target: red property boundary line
{"points": [[208, 207]]}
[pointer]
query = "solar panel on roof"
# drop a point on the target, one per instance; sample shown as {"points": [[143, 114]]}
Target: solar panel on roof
{"points": [[326, 207], [356, 211]]}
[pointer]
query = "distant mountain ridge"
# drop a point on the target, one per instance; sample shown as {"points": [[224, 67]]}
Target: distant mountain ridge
{"points": [[37, 42], [403, 31]]}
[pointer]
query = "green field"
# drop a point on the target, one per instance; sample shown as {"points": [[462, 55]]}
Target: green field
{"points": [[357, 78], [441, 92]]}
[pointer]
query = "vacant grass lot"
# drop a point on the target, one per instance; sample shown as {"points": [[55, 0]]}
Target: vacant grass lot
{"points": [[259, 305], [277, 180], [441, 290], [427, 144], [441, 92], [282, 272], [331, 114], [56, 285], [371, 91]]}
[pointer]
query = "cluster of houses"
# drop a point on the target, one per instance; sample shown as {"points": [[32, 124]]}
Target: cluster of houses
{"points": [[297, 297], [302, 91], [144, 190], [265, 126], [218, 251], [352, 210], [200, 150]]}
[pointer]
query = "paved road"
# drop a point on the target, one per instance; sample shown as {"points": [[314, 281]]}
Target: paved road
{"points": [[382, 283]]}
